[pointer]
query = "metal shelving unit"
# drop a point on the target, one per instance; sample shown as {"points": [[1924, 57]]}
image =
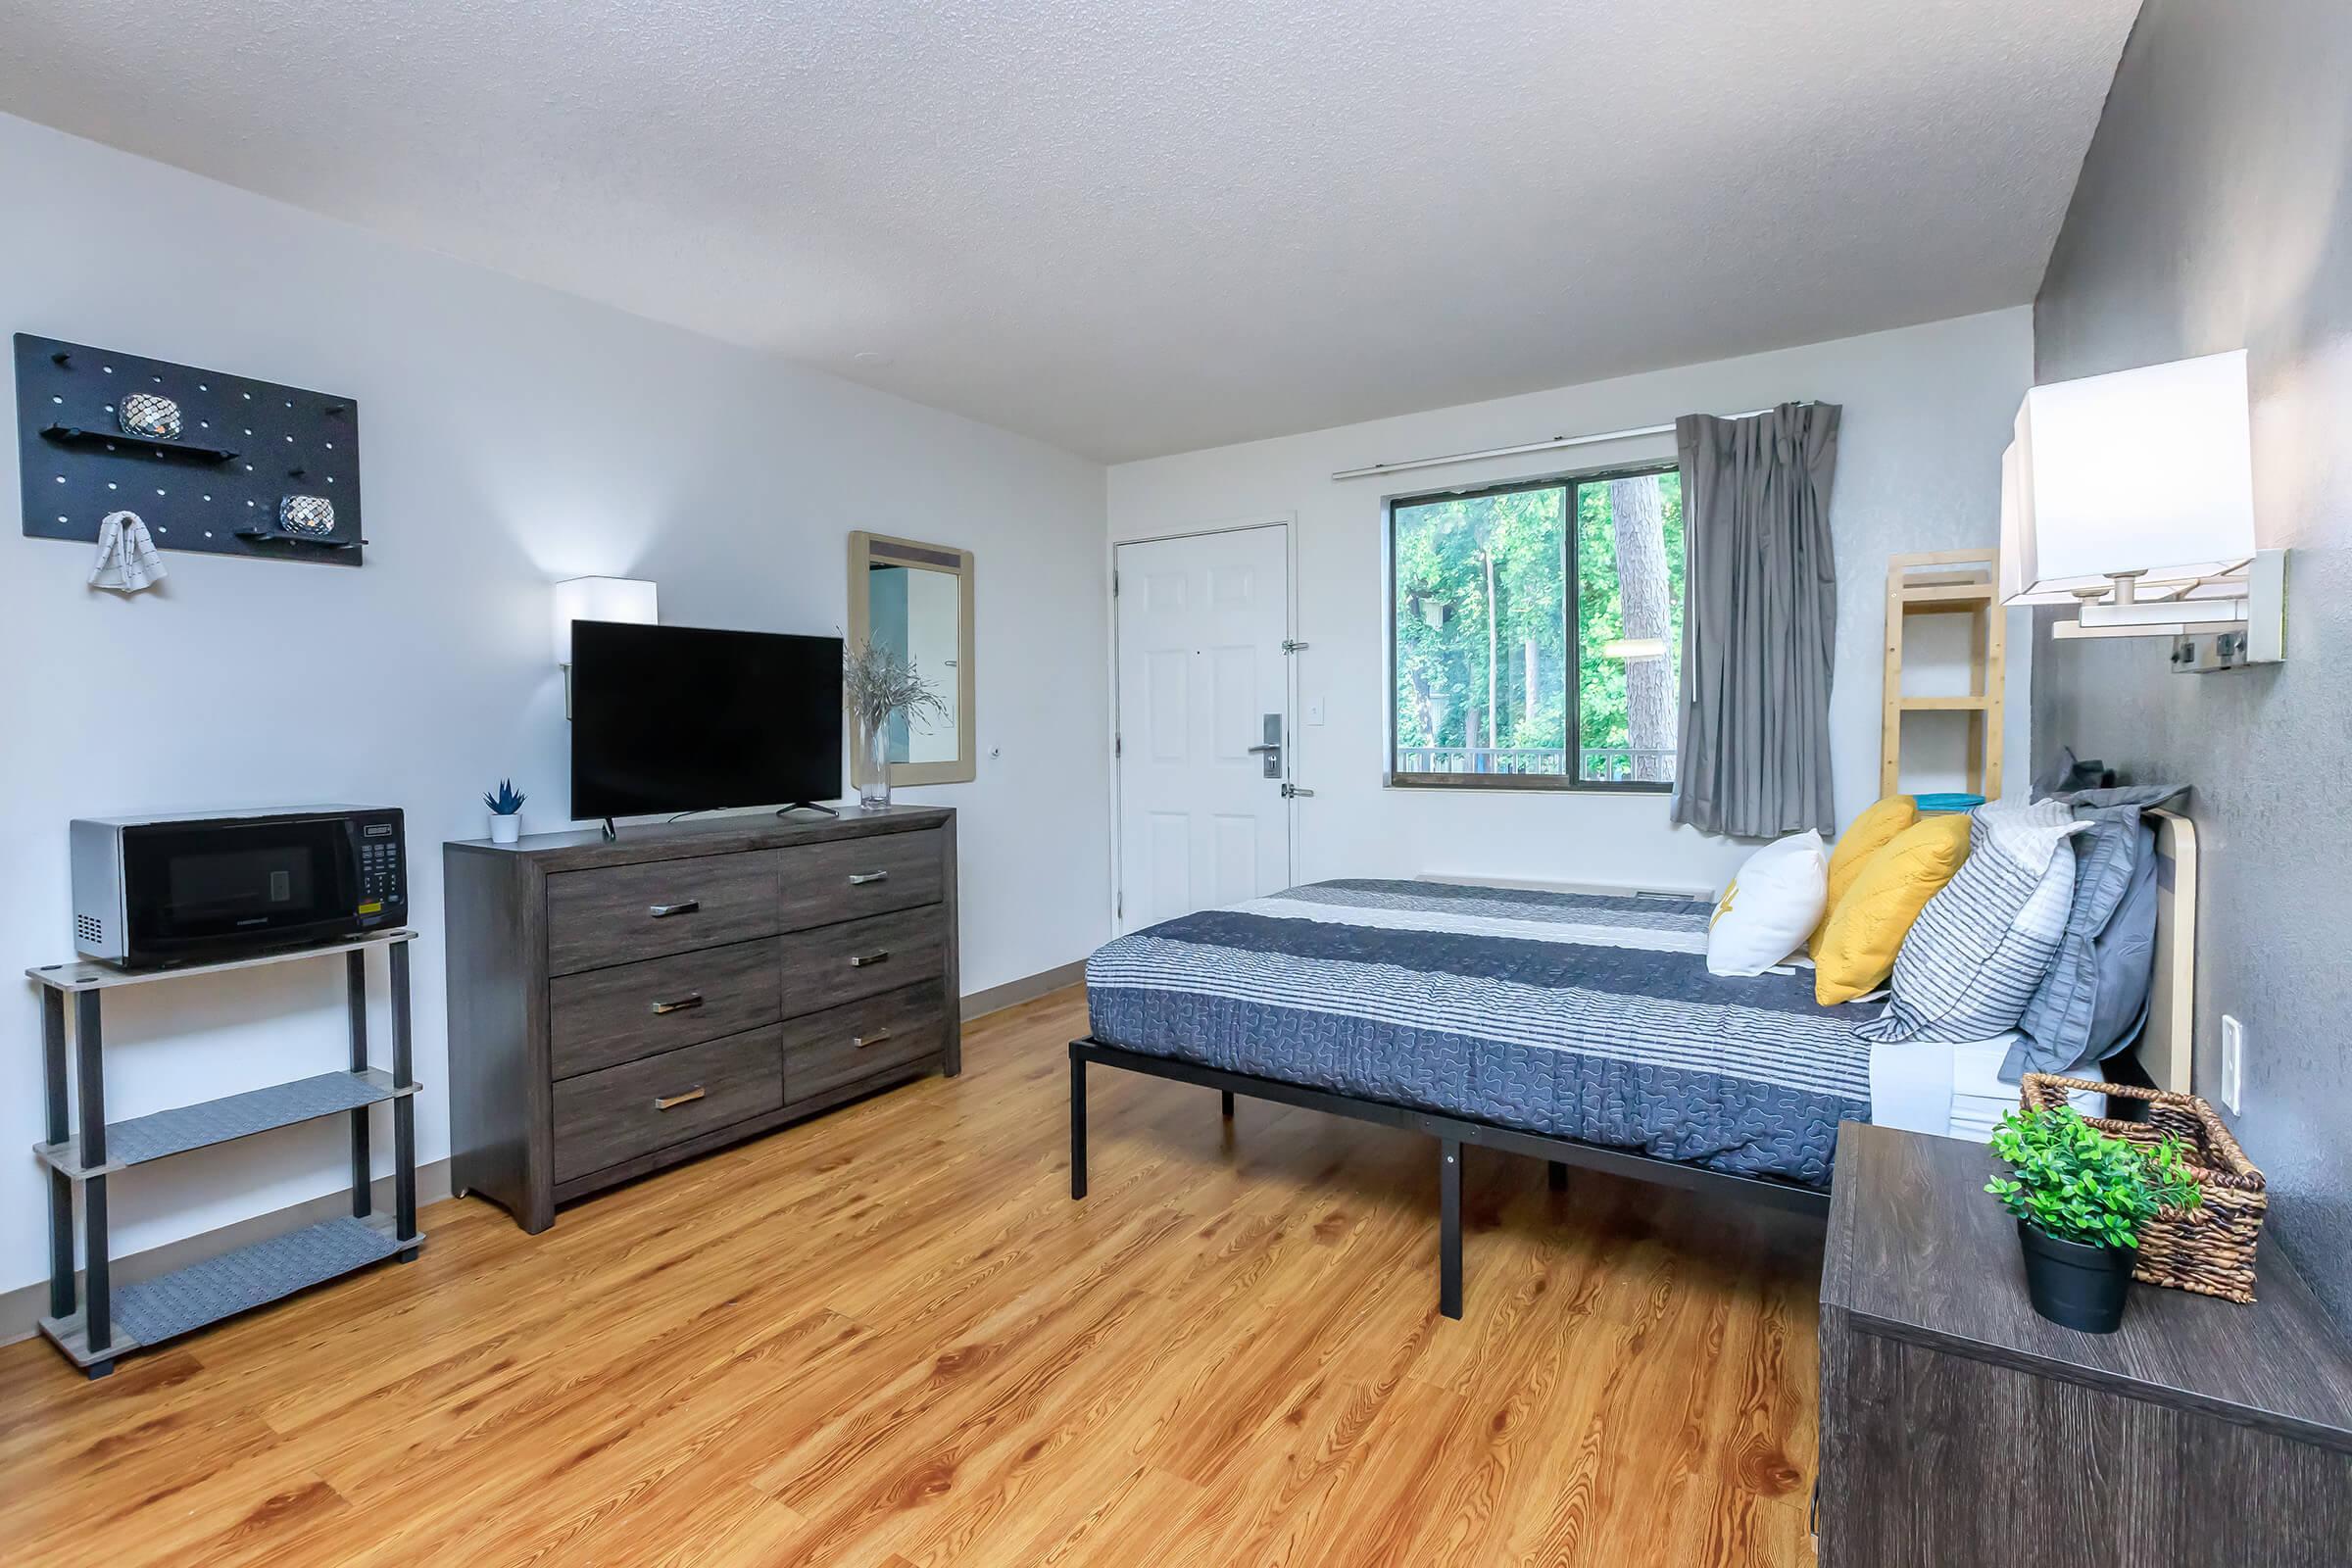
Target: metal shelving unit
{"points": [[83, 1150]]}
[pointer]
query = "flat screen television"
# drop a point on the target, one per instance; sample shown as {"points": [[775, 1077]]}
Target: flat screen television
{"points": [[676, 718]]}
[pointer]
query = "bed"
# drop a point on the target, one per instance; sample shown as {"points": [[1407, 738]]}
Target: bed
{"points": [[1570, 1014], [1581, 1028]]}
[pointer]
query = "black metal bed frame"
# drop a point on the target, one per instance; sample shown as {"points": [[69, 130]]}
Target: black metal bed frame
{"points": [[1452, 1134]]}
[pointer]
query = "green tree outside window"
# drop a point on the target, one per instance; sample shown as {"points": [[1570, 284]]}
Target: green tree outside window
{"points": [[1497, 610]]}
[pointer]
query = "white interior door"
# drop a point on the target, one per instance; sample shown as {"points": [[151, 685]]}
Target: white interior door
{"points": [[1203, 820]]}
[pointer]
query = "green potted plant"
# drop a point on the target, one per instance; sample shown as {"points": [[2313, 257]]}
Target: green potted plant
{"points": [[2080, 1196], [506, 811]]}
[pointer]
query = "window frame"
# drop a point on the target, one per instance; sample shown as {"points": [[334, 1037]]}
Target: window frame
{"points": [[1564, 783]]}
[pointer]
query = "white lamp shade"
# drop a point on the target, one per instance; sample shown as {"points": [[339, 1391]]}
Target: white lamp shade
{"points": [[2013, 565], [2143, 470], [622, 599]]}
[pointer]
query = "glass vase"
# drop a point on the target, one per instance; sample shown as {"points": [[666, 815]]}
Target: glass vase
{"points": [[873, 751]]}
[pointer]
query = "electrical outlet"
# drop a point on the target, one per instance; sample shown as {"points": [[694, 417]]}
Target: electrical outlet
{"points": [[2233, 1063]]}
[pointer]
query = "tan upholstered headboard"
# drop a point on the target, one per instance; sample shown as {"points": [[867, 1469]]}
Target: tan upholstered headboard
{"points": [[2165, 1049]]}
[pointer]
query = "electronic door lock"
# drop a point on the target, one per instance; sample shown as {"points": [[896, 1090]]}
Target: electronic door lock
{"points": [[1271, 748]]}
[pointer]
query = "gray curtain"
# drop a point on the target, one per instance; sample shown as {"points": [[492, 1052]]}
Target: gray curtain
{"points": [[1759, 622]]}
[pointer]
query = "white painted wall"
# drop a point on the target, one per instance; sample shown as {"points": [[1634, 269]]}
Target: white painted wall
{"points": [[1928, 409], [512, 436]]}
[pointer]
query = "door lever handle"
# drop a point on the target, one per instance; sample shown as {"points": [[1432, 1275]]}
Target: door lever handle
{"points": [[1269, 747], [663, 911]]}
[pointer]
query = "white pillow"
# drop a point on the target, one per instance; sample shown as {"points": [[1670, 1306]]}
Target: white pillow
{"points": [[1771, 906]]}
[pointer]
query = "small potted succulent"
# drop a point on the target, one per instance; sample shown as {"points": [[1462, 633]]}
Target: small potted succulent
{"points": [[506, 811], [2078, 1196]]}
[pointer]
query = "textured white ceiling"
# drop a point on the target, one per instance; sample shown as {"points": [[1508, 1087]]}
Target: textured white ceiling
{"points": [[1136, 226]]}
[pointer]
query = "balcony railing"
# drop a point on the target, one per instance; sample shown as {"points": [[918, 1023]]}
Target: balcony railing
{"points": [[1595, 764]]}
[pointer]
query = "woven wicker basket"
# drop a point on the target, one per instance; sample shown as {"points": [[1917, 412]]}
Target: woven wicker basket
{"points": [[2209, 1248]]}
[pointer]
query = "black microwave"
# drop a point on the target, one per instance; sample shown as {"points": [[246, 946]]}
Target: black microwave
{"points": [[206, 886]]}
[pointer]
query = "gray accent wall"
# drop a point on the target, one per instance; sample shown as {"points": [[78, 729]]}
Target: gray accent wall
{"points": [[2213, 213]]}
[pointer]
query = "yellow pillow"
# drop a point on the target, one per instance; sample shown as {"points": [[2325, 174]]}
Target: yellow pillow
{"points": [[1859, 941], [1863, 837]]}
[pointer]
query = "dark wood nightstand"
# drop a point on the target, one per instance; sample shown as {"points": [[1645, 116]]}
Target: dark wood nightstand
{"points": [[1957, 1427]]}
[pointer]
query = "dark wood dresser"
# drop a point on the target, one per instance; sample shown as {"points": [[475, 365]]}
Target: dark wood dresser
{"points": [[1958, 1428], [615, 1007]]}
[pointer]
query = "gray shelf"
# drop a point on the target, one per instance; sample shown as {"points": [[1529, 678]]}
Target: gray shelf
{"points": [[220, 1121], [88, 1319], [189, 1298], [93, 974]]}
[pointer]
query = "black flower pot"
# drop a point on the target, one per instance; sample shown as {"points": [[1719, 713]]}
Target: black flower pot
{"points": [[2076, 1283]]}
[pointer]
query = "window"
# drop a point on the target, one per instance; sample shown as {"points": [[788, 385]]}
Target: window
{"points": [[1536, 634]]}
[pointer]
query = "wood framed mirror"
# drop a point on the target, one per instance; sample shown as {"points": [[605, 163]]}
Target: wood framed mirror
{"points": [[917, 598]]}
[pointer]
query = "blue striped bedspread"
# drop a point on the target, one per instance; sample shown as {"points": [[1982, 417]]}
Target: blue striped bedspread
{"points": [[1571, 1014]]}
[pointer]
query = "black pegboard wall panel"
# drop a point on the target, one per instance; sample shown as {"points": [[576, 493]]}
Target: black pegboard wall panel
{"points": [[243, 446]]}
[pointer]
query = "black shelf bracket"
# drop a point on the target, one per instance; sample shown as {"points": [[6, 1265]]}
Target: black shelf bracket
{"points": [[271, 536], [66, 435]]}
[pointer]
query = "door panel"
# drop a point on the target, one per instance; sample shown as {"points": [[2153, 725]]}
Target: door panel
{"points": [[1167, 880], [1238, 721], [1201, 626], [1234, 841], [1167, 712]]}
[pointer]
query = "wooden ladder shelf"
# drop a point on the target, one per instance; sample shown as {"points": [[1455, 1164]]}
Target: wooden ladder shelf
{"points": [[1947, 582]]}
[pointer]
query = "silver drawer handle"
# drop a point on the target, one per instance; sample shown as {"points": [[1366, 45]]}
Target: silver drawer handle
{"points": [[862, 878], [665, 1101], [663, 911], [691, 999], [861, 961], [860, 1041]]}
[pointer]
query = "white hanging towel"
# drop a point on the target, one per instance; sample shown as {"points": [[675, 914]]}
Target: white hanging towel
{"points": [[128, 560]]}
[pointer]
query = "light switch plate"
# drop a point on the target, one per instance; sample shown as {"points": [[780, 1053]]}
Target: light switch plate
{"points": [[1315, 711], [2233, 1063]]}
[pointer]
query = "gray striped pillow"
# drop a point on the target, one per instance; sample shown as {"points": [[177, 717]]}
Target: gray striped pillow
{"points": [[1979, 949]]}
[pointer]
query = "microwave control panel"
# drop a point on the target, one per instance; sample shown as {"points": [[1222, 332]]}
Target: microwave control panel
{"points": [[380, 871]]}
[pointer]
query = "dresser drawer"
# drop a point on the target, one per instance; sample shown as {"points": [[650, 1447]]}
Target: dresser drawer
{"points": [[617, 913], [848, 878], [843, 1046], [603, 1118], [837, 964], [603, 1018]]}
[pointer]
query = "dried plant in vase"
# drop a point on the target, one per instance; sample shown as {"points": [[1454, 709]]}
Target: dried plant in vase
{"points": [[877, 682]]}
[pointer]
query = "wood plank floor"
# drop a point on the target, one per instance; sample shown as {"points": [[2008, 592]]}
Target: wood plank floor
{"points": [[888, 1338]]}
